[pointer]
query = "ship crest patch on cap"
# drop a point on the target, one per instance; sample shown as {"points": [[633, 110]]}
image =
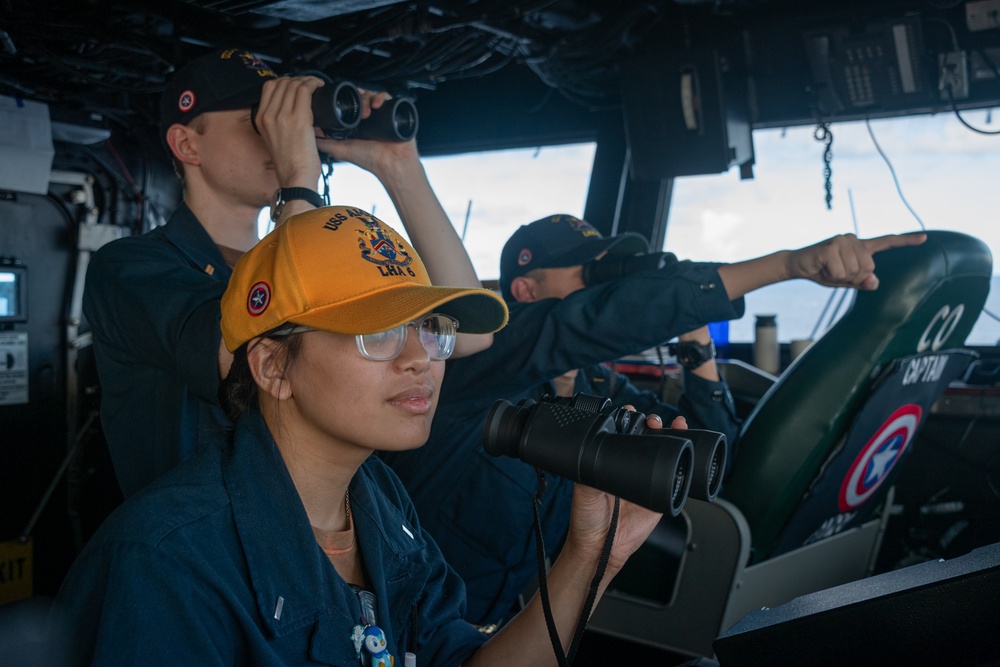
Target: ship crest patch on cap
{"points": [[250, 61], [259, 298], [379, 248], [581, 226]]}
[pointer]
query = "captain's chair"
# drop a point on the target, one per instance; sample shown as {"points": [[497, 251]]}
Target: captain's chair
{"points": [[803, 507]]}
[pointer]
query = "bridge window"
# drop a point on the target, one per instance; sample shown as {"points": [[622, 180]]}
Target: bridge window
{"points": [[946, 172], [486, 195]]}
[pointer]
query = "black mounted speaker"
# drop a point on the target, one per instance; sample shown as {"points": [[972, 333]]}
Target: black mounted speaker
{"points": [[944, 612]]}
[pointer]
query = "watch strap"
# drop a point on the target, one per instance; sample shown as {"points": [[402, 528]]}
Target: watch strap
{"points": [[691, 354], [284, 195]]}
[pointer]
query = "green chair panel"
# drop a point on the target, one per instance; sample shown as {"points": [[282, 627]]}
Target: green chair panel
{"points": [[928, 299]]}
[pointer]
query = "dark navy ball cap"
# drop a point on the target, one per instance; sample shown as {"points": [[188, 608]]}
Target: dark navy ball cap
{"points": [[219, 81], [556, 241]]}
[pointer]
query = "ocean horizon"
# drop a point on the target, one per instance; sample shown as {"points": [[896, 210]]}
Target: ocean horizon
{"points": [[803, 312]]}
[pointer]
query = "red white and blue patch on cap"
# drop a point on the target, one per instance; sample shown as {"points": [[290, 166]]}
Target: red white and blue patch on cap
{"points": [[878, 456], [186, 101], [524, 257], [259, 298]]}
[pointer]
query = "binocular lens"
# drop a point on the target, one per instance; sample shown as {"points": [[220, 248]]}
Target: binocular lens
{"points": [[405, 119], [337, 106], [710, 453], [337, 110], [396, 120]]}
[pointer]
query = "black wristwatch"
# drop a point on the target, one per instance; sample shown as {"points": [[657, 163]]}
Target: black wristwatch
{"points": [[284, 195], [691, 355]]}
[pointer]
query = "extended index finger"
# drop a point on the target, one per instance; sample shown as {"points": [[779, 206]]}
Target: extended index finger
{"points": [[880, 243]]}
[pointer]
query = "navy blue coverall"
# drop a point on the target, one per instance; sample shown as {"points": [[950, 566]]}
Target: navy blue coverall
{"points": [[479, 507]]}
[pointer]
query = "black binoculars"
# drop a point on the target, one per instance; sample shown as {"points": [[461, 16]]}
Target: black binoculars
{"points": [[585, 439], [337, 107], [613, 267]]}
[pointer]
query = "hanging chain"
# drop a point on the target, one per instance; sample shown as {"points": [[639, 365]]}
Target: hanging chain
{"points": [[823, 133], [326, 166]]}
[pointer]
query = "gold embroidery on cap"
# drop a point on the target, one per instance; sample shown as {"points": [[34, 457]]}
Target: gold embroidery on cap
{"points": [[379, 248]]}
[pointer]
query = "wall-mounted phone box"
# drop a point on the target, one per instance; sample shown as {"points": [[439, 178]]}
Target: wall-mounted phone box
{"points": [[685, 114]]}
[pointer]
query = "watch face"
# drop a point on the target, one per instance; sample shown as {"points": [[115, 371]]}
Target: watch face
{"points": [[693, 355]]}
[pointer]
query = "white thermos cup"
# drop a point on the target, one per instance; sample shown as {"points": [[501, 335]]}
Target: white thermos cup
{"points": [[765, 345]]}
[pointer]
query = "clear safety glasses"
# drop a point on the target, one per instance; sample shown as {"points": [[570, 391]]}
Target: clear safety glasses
{"points": [[437, 336]]}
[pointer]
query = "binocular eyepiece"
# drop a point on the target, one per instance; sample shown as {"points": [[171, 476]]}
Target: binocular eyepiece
{"points": [[613, 267], [585, 439], [337, 109]]}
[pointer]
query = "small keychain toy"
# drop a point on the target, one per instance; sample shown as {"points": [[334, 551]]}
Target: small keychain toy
{"points": [[376, 645]]}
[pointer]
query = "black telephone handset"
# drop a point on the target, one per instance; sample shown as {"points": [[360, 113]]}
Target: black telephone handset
{"points": [[828, 103]]}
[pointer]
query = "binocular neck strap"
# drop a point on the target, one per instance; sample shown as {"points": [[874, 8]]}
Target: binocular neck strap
{"points": [[566, 659]]}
